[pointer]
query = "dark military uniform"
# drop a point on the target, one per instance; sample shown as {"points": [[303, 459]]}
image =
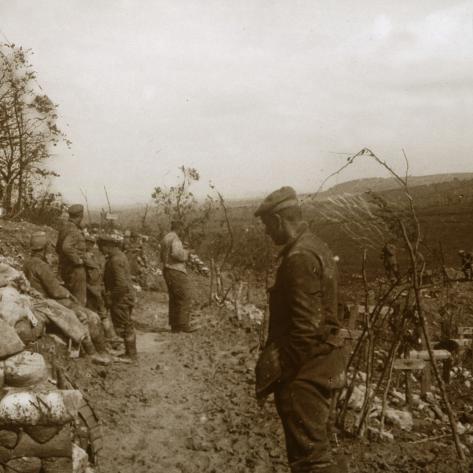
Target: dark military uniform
{"points": [[303, 361], [303, 325], [94, 266], [42, 278], [137, 260], [71, 250], [120, 294]]}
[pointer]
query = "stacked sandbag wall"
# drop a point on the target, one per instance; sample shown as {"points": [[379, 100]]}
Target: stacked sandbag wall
{"points": [[41, 426]]}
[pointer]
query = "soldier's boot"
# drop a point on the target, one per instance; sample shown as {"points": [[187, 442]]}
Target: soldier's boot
{"points": [[98, 358], [110, 335], [130, 348]]}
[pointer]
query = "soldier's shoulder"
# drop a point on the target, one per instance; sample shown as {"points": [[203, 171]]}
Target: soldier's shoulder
{"points": [[69, 227], [310, 246], [308, 242], [34, 262], [119, 257]]}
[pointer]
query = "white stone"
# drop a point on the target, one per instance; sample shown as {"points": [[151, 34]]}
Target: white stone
{"points": [[400, 418]]}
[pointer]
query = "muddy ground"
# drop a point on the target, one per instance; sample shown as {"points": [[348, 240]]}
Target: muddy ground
{"points": [[188, 406]]}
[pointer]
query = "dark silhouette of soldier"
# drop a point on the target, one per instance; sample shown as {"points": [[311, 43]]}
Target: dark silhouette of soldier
{"points": [[303, 361]]}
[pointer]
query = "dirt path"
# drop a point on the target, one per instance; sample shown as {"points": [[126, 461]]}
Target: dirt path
{"points": [[188, 405]]}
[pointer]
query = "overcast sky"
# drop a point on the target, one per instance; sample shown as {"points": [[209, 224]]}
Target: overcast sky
{"points": [[253, 93]]}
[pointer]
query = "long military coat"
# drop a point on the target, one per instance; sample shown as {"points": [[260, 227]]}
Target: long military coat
{"points": [[303, 313]]}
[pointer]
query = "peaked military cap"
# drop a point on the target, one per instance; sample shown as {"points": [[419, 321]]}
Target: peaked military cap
{"points": [[38, 240], [75, 210], [279, 199]]}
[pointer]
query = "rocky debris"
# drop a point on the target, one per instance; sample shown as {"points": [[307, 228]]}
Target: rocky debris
{"points": [[246, 312], [454, 274], [400, 418], [197, 265]]}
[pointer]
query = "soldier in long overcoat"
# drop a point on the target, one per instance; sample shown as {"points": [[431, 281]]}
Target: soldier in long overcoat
{"points": [[303, 361], [71, 249]]}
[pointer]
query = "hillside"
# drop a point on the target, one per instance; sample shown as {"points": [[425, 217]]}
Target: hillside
{"points": [[381, 184]]}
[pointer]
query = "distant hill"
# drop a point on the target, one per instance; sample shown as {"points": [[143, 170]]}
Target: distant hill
{"points": [[381, 184]]}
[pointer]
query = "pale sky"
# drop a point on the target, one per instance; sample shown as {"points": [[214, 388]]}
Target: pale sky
{"points": [[253, 93]]}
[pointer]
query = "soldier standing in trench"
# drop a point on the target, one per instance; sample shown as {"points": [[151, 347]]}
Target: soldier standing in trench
{"points": [[173, 258], [303, 361], [136, 258], [119, 292], [71, 248], [94, 266]]}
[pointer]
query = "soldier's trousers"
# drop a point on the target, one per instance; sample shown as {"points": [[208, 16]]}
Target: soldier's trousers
{"points": [[95, 300], [304, 408], [120, 312], [75, 279], [179, 292]]}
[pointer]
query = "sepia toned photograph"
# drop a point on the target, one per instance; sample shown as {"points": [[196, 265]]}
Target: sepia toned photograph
{"points": [[236, 236]]}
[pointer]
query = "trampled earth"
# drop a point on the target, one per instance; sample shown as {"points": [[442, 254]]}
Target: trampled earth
{"points": [[188, 406]]}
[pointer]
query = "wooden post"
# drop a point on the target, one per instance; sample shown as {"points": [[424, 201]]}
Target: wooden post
{"points": [[426, 380], [354, 312], [212, 276]]}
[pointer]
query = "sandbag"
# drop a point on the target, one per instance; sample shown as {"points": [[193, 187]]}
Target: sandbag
{"points": [[57, 465], [15, 306], [80, 459], [59, 446], [8, 275], [23, 465], [8, 438], [65, 319], [42, 433], [27, 332], [10, 342], [43, 408], [5, 455], [25, 369]]}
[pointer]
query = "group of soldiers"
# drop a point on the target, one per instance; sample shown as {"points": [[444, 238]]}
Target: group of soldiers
{"points": [[96, 283], [303, 360]]}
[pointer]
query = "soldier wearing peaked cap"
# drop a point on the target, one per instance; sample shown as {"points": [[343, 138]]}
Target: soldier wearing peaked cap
{"points": [[303, 361], [70, 248]]}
